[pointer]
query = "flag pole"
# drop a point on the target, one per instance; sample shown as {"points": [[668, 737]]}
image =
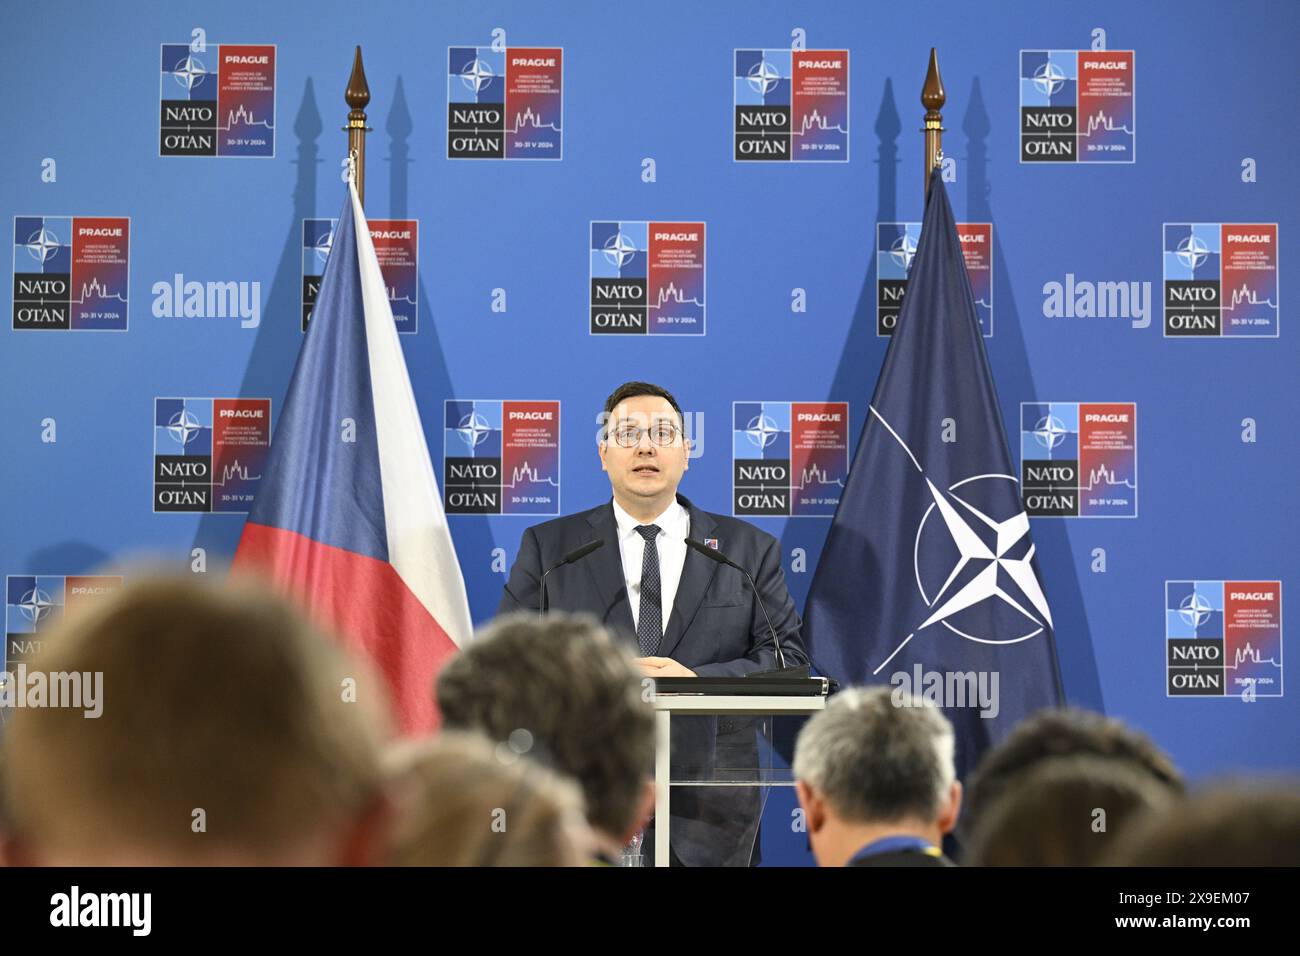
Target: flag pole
{"points": [[932, 98], [357, 97]]}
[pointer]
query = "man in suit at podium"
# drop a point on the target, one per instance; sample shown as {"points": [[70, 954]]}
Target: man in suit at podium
{"points": [[684, 614]]}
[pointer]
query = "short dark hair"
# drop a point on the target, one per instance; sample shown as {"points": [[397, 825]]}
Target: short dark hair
{"points": [[1051, 816], [634, 389], [1246, 823], [564, 680], [1061, 733]]}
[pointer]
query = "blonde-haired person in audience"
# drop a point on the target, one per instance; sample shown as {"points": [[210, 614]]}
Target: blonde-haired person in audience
{"points": [[227, 736], [465, 802]]}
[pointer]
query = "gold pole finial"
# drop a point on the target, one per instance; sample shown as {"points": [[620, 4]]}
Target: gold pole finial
{"points": [[357, 97], [933, 98]]}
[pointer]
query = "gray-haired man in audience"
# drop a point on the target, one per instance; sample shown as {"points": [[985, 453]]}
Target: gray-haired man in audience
{"points": [[876, 781]]}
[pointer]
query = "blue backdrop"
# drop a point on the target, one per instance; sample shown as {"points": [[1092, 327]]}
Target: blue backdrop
{"points": [[1214, 88]]}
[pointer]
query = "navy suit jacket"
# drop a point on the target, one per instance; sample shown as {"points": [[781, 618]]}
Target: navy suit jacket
{"points": [[716, 629]]}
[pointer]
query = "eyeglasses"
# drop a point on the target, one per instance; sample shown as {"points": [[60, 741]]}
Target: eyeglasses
{"points": [[661, 433]]}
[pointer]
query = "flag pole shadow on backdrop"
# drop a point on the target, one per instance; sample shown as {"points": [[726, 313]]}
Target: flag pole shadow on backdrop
{"points": [[279, 336], [1015, 376], [430, 376], [863, 348], [860, 358]]}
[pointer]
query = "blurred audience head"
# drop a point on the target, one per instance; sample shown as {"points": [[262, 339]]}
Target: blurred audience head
{"points": [[464, 802], [223, 737], [558, 688], [1065, 811], [1247, 823], [1061, 733], [866, 768]]}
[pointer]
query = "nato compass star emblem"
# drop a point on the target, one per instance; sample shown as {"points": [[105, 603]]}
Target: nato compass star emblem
{"points": [[1192, 253], [903, 251], [35, 604], [323, 246], [1194, 610], [762, 431], [476, 75], [763, 77], [184, 427], [189, 71], [474, 429], [1048, 79], [619, 249], [1050, 432], [42, 245], [991, 562]]}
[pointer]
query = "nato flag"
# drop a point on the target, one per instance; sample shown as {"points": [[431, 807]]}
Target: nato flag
{"points": [[928, 580]]}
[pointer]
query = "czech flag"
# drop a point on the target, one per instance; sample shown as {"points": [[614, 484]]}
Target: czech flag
{"points": [[348, 518]]}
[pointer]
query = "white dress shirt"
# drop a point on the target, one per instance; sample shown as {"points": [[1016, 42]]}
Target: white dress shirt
{"points": [[674, 526]]}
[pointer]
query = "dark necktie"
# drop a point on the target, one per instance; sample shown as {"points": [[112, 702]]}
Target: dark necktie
{"points": [[649, 622]]}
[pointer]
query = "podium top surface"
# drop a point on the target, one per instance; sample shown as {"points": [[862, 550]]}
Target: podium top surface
{"points": [[741, 695], [750, 704], [764, 686]]}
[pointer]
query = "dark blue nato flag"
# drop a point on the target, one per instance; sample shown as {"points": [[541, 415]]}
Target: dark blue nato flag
{"points": [[928, 580]]}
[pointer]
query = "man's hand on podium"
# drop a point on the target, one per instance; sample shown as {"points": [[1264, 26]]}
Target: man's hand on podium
{"points": [[662, 667]]}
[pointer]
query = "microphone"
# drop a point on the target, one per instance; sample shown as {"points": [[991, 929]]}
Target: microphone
{"points": [[577, 554], [715, 555]]}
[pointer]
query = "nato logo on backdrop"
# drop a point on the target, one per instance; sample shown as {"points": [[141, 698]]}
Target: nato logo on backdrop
{"points": [[646, 278], [791, 106], [217, 101], [1223, 638], [505, 104], [896, 248], [501, 457], [34, 603], [1221, 279], [208, 453], [1077, 106], [1079, 459], [789, 458], [71, 272], [397, 247]]}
